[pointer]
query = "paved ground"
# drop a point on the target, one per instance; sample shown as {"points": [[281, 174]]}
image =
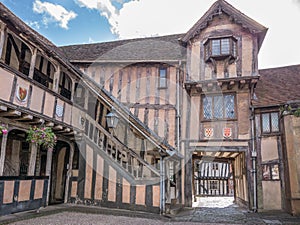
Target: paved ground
{"points": [[209, 212]]}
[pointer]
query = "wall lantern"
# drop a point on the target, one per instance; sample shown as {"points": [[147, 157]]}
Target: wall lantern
{"points": [[112, 119]]}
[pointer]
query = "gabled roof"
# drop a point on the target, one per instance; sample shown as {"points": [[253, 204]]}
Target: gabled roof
{"points": [[277, 86], [238, 17], [159, 49]]}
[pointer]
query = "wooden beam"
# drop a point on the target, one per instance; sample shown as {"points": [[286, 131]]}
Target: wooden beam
{"points": [[25, 117], [66, 130], [242, 84], [49, 124], [37, 121], [3, 108], [58, 127], [230, 85], [11, 113]]}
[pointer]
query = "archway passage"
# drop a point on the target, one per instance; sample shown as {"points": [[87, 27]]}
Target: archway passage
{"points": [[219, 179], [60, 160]]}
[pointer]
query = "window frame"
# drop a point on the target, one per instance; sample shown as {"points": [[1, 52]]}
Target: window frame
{"points": [[208, 48], [160, 86], [270, 123], [213, 118], [269, 167], [64, 91]]}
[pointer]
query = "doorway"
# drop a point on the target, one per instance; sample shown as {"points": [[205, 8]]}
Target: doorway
{"points": [[219, 179], [60, 160]]}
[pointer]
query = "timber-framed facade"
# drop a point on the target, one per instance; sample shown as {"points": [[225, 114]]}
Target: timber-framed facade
{"points": [[197, 117]]}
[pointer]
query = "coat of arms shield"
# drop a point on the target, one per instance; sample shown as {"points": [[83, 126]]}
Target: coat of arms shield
{"points": [[208, 132], [21, 93], [227, 132]]}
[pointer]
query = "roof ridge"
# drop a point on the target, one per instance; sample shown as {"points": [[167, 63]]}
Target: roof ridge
{"points": [[124, 40]]}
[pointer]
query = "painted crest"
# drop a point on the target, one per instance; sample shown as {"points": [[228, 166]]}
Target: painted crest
{"points": [[21, 94], [227, 132], [59, 111], [208, 132]]}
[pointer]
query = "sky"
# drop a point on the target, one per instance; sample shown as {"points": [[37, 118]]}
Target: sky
{"points": [[67, 22]]}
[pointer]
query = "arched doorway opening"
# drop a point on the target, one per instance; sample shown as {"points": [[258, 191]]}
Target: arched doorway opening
{"points": [[17, 154], [60, 163]]}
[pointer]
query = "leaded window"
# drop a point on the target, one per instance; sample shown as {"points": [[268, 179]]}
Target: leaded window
{"points": [[270, 171], [219, 48], [219, 107], [162, 77], [270, 122]]}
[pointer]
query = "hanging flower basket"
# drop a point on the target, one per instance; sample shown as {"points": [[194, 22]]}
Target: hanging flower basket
{"points": [[3, 129], [43, 136]]}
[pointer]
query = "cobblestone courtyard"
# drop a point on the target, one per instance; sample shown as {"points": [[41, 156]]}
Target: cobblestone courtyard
{"points": [[211, 211]]}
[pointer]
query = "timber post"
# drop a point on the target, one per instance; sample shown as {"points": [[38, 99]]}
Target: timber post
{"points": [[48, 172], [3, 151], [33, 152], [69, 172]]}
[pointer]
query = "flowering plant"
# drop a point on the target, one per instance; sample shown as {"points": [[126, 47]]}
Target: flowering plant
{"points": [[3, 129], [42, 136]]}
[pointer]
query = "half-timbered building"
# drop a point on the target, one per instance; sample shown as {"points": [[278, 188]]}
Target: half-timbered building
{"points": [[196, 118]]}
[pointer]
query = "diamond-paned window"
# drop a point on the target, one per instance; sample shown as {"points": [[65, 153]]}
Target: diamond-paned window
{"points": [[266, 122], [219, 107], [270, 122], [274, 122], [207, 107], [229, 106]]}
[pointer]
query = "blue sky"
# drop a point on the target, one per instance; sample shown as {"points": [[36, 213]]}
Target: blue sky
{"points": [[66, 22]]}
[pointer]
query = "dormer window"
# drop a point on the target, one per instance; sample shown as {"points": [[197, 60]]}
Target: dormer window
{"points": [[220, 48]]}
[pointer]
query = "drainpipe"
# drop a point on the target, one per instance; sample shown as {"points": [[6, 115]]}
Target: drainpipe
{"points": [[178, 107], [253, 153], [162, 186]]}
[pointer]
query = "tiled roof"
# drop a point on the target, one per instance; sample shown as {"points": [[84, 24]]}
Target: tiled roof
{"points": [[163, 48], [277, 86]]}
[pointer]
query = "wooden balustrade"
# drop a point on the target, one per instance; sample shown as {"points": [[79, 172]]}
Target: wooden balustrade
{"points": [[126, 157]]}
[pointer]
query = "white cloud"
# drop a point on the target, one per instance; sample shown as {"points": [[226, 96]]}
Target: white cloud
{"points": [[106, 9], [53, 13], [91, 4], [33, 24], [91, 40]]}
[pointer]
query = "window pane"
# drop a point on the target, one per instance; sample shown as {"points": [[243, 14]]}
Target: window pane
{"points": [[162, 78], [207, 107], [266, 123], [218, 107], [275, 172], [207, 54], [234, 49], [229, 106], [274, 122], [266, 172], [225, 46], [215, 44], [163, 82], [162, 73]]}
